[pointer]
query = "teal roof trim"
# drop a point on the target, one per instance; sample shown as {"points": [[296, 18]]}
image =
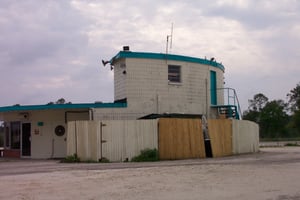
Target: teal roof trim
{"points": [[161, 56], [62, 106]]}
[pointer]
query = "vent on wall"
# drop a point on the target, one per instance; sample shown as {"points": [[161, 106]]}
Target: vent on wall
{"points": [[24, 115]]}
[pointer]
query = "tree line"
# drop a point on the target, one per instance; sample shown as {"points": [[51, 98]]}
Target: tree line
{"points": [[276, 118]]}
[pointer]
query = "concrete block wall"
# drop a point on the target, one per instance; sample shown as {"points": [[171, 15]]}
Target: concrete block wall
{"points": [[147, 89]]}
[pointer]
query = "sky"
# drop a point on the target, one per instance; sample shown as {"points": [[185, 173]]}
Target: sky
{"points": [[52, 49]]}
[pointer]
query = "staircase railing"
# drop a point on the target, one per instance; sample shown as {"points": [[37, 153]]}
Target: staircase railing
{"points": [[231, 98]]}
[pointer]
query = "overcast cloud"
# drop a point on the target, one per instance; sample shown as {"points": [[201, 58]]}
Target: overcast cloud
{"points": [[52, 49]]}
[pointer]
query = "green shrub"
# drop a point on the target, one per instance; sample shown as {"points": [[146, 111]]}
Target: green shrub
{"points": [[291, 145], [146, 156], [103, 160], [71, 159]]}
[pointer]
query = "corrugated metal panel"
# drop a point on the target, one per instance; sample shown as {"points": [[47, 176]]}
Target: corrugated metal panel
{"points": [[125, 139], [113, 137], [245, 136], [220, 133], [180, 139], [140, 135], [94, 140], [121, 139], [71, 138], [83, 139]]}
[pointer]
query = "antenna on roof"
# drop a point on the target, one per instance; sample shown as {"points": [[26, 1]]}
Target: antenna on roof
{"points": [[171, 39]]}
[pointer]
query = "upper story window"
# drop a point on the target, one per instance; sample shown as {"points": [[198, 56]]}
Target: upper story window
{"points": [[174, 73]]}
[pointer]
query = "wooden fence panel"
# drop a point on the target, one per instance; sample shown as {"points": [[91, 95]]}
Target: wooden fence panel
{"points": [[220, 132], [180, 139]]}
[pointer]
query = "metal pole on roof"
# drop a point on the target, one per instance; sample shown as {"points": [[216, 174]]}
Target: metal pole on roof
{"points": [[171, 37]]}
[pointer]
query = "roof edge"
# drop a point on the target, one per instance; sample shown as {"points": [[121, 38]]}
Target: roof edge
{"points": [[162, 56], [62, 106]]}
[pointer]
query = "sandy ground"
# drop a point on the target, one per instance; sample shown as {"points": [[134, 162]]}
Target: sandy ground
{"points": [[274, 173]]}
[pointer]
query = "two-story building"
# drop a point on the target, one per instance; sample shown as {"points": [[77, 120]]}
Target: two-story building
{"points": [[144, 84]]}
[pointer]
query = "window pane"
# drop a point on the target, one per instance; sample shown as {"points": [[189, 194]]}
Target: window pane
{"points": [[15, 135], [174, 73]]}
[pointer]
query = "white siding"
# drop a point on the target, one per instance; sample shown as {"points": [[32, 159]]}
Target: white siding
{"points": [[122, 139], [120, 80], [146, 87], [245, 136], [125, 139]]}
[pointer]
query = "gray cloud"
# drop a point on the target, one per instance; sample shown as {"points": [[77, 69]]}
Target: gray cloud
{"points": [[52, 49]]}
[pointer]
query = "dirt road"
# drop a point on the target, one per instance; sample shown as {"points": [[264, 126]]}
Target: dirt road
{"points": [[274, 173]]}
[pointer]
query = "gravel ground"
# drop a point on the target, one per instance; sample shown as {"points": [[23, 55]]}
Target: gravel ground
{"points": [[274, 173]]}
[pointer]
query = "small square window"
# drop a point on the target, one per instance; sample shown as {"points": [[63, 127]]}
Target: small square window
{"points": [[174, 74]]}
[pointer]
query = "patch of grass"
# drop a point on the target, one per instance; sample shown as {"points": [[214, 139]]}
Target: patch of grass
{"points": [[75, 159], [104, 160], [292, 145], [278, 139], [71, 159], [147, 155]]}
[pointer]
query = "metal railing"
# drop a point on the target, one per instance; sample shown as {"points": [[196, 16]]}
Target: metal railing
{"points": [[231, 98]]}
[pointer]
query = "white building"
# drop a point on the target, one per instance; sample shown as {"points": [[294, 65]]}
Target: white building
{"points": [[144, 84]]}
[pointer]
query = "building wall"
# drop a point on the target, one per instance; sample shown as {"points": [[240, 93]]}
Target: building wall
{"points": [[120, 80], [44, 142], [147, 89]]}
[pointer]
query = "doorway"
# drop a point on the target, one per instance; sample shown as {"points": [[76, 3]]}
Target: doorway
{"points": [[213, 88], [26, 139]]}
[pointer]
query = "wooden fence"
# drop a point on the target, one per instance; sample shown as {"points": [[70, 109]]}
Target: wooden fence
{"points": [[180, 139], [220, 133], [121, 140]]}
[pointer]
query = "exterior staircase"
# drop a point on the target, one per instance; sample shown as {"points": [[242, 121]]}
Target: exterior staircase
{"points": [[229, 111], [231, 107]]}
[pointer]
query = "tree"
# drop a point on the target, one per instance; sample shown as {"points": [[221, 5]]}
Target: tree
{"points": [[255, 106], [273, 119], [294, 105], [258, 102], [251, 115], [59, 101], [296, 120], [271, 116], [294, 98]]}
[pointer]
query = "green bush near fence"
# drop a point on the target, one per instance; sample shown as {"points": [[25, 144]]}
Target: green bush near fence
{"points": [[71, 159], [146, 155]]}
